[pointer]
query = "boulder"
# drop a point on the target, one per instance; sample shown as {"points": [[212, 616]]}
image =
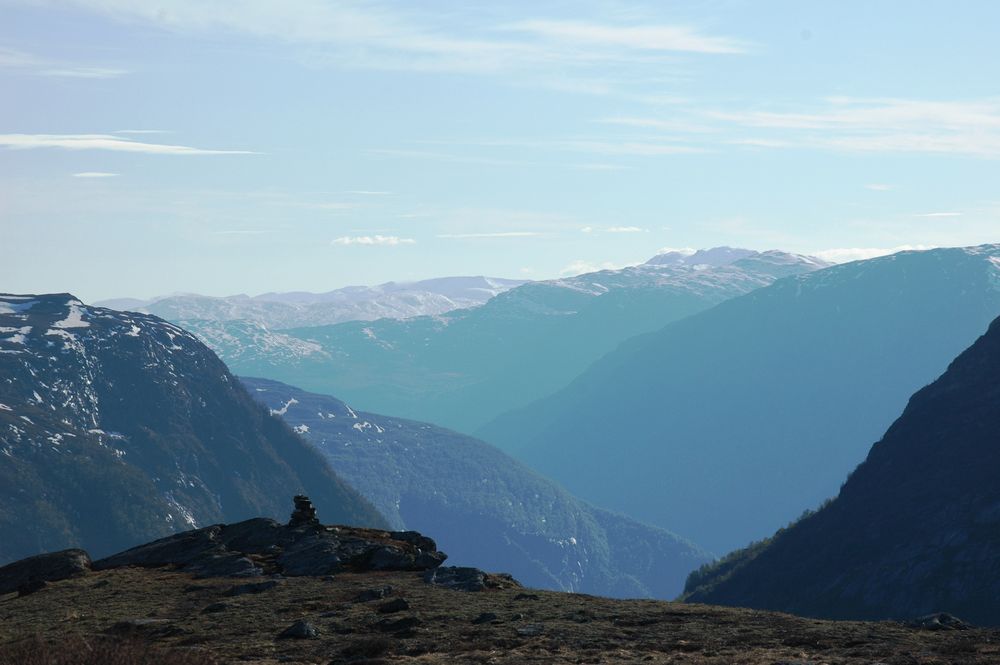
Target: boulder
{"points": [[468, 579], [51, 567]]}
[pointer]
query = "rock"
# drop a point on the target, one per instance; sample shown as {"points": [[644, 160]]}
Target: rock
{"points": [[405, 625], [531, 630], [304, 513], [254, 547], [939, 621], [468, 579], [300, 630], [394, 605], [377, 593], [526, 596], [50, 567], [145, 628], [223, 564], [485, 617], [178, 549], [252, 587], [216, 607]]}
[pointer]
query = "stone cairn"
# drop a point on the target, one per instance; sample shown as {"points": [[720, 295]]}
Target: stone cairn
{"points": [[304, 513]]}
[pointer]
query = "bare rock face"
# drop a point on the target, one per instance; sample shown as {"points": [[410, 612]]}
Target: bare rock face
{"points": [[303, 547], [36, 570]]}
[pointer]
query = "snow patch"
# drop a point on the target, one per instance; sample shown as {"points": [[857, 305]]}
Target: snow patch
{"points": [[75, 317], [283, 410], [301, 429], [9, 304]]}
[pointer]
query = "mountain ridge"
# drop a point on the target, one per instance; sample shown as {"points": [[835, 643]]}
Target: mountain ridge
{"points": [[120, 427], [914, 527], [730, 423]]}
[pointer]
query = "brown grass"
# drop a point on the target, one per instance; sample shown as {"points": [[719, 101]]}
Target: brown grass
{"points": [[76, 650]]}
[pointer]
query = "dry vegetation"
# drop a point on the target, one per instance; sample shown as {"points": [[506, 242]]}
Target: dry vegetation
{"points": [[131, 616]]}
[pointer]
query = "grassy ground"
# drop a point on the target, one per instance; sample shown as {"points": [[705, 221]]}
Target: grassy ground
{"points": [[198, 618]]}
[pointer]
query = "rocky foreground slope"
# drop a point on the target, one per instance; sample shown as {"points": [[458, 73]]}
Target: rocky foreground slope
{"points": [[116, 428], [915, 527], [361, 596]]}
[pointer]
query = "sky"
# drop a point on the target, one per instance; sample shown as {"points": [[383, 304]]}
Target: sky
{"points": [[246, 146]]}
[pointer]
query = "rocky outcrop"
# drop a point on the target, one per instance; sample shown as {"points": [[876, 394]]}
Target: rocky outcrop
{"points": [[303, 547], [37, 570]]}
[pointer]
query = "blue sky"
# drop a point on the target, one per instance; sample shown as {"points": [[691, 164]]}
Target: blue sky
{"points": [[249, 145]]}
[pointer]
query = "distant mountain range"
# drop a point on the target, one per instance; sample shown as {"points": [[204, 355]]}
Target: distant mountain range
{"points": [[726, 425], [464, 368], [116, 428], [484, 508], [394, 300], [916, 527]]}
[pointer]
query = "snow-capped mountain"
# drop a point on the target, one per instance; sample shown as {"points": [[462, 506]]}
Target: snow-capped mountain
{"points": [[273, 311], [465, 367], [119, 427], [484, 508], [726, 425]]}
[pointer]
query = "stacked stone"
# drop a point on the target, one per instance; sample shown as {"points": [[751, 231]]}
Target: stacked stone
{"points": [[304, 513]]}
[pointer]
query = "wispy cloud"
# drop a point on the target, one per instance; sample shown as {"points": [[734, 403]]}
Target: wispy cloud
{"points": [[847, 254], [372, 240], [631, 37], [498, 234], [847, 124], [939, 214], [241, 232], [367, 192], [104, 142], [624, 229], [367, 35], [580, 267], [95, 174], [29, 63]]}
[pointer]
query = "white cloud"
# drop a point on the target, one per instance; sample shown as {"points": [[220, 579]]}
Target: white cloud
{"points": [[372, 240], [103, 142], [587, 229], [367, 192], [38, 66], [580, 267], [687, 251], [625, 229], [845, 254], [877, 125], [360, 34], [84, 72], [95, 174], [642, 37], [498, 234], [939, 214]]}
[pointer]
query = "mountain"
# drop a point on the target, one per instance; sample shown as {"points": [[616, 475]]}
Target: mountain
{"points": [[394, 300], [464, 368], [916, 527], [728, 424], [116, 428], [485, 509]]}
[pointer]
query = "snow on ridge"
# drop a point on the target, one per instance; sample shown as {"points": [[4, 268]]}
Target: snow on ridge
{"points": [[74, 319], [10, 304]]}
